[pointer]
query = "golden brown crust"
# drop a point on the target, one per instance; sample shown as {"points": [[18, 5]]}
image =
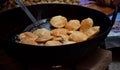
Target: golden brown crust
{"points": [[58, 21], [53, 43], [43, 32], [86, 24], [91, 32], [43, 39], [28, 35], [59, 32], [78, 36], [67, 34], [28, 41], [57, 38], [73, 25]]}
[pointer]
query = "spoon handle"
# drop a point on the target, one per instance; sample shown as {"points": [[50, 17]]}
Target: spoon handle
{"points": [[25, 9]]}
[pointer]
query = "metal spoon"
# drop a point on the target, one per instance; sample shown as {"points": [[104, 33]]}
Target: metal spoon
{"points": [[32, 18]]}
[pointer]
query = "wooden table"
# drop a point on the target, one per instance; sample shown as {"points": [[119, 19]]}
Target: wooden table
{"points": [[96, 61], [105, 10]]}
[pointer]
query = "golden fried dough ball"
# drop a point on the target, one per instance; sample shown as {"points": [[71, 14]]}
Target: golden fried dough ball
{"points": [[73, 25], [28, 41], [43, 32], [28, 38], [53, 43], [70, 32], [57, 38], [68, 42], [44, 35], [44, 39], [65, 37], [64, 32], [58, 21], [91, 32], [59, 32], [86, 24], [78, 36], [26, 35]]}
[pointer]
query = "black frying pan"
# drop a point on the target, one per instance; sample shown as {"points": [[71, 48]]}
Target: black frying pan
{"points": [[13, 22]]}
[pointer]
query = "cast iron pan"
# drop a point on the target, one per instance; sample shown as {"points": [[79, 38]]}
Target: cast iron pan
{"points": [[14, 21]]}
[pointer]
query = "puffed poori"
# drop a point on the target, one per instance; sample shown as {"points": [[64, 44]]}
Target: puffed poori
{"points": [[64, 32], [58, 21], [73, 25]]}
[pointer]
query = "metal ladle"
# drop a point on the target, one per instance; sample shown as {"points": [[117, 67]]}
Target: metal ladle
{"points": [[32, 18]]}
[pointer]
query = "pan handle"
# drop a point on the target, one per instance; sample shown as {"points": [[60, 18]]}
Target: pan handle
{"points": [[114, 15]]}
